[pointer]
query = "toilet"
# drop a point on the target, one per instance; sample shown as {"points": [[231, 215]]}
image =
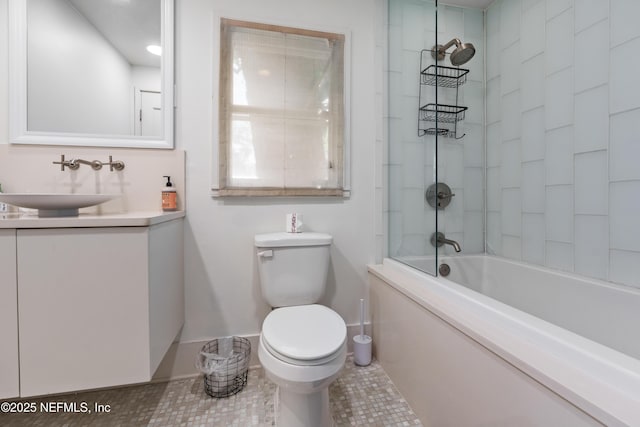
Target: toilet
{"points": [[303, 345]]}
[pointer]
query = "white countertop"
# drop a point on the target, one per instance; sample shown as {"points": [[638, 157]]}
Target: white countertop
{"points": [[129, 219]]}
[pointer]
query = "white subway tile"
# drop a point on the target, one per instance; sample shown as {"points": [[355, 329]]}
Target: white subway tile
{"points": [[512, 247], [591, 129], [494, 233], [410, 73], [591, 67], [511, 116], [588, 12], [494, 101], [413, 165], [511, 169], [533, 187], [395, 141], [624, 267], [624, 146], [625, 68], [556, 7], [533, 135], [559, 255], [532, 33], [493, 18], [511, 212], [510, 66], [559, 99], [453, 172], [453, 19], [474, 146], [474, 189], [559, 219], [532, 86], [510, 15], [494, 50], [533, 240], [413, 207], [591, 183], [559, 42], [624, 20], [395, 48], [528, 4], [412, 25], [473, 242], [624, 211], [559, 156], [494, 144], [395, 232], [473, 22], [591, 247], [494, 190]]}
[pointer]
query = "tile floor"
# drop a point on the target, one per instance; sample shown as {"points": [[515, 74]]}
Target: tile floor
{"points": [[362, 396]]}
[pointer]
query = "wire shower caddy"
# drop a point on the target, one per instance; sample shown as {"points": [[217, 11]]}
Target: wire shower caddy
{"points": [[446, 77]]}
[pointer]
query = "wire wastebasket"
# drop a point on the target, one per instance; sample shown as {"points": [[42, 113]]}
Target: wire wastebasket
{"points": [[225, 364]]}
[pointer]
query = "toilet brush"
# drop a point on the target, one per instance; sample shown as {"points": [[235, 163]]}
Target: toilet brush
{"points": [[362, 343]]}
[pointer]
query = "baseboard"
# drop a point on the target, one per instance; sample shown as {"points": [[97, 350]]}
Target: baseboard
{"points": [[180, 360]]}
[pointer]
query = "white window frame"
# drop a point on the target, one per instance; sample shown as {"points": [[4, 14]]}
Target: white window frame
{"points": [[216, 190]]}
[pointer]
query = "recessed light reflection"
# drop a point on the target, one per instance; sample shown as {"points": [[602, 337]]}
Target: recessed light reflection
{"points": [[154, 49]]}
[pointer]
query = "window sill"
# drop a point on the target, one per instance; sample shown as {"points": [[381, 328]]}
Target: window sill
{"points": [[280, 192]]}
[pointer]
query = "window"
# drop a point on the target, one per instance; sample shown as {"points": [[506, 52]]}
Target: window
{"points": [[282, 128]]}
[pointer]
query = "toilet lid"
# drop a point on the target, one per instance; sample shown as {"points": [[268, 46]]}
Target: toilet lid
{"points": [[304, 332]]}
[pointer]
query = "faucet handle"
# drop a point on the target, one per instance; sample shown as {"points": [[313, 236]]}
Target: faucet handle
{"points": [[71, 164], [118, 165]]}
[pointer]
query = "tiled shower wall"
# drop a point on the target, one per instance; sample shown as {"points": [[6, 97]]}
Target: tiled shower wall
{"points": [[410, 162], [563, 135]]}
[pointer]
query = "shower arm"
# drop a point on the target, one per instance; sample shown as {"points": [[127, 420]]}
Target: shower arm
{"points": [[439, 51]]}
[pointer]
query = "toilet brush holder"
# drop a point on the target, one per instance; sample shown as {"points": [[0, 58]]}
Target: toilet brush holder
{"points": [[362, 350]]}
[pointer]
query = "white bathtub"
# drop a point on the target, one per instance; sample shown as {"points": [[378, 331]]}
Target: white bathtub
{"points": [[516, 345]]}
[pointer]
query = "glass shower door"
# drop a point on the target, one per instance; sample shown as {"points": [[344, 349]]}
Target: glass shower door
{"points": [[412, 149], [436, 132]]}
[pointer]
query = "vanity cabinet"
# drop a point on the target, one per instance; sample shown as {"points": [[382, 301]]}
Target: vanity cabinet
{"points": [[97, 307], [9, 380]]}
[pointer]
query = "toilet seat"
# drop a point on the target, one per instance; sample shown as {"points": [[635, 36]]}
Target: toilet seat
{"points": [[304, 334]]}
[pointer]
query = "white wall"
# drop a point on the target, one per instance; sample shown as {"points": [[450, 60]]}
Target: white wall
{"points": [[222, 290], [78, 82], [563, 135], [146, 78]]}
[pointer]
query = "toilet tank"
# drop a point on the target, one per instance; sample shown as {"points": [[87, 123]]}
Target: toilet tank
{"points": [[292, 267]]}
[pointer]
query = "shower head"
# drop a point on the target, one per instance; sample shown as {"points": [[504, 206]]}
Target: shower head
{"points": [[463, 52]]}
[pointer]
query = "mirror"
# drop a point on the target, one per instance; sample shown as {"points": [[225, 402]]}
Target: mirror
{"points": [[85, 72]]}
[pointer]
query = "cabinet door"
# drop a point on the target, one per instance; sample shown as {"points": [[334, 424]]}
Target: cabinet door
{"points": [[83, 308], [9, 380]]}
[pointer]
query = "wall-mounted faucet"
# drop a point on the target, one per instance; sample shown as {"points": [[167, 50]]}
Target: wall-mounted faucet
{"points": [[438, 239], [96, 165]]}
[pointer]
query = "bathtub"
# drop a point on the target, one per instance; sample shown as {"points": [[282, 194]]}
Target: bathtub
{"points": [[502, 343]]}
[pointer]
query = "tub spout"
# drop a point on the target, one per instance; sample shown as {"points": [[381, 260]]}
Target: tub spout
{"points": [[438, 239]]}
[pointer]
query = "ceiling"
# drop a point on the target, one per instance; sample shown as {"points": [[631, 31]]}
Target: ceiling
{"points": [[129, 25], [479, 4]]}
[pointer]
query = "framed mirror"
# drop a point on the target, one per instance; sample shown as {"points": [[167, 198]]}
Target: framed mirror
{"points": [[91, 73]]}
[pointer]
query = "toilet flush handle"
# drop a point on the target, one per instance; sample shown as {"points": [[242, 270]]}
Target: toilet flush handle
{"points": [[265, 254]]}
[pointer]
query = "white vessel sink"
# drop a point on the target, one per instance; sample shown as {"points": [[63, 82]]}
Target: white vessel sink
{"points": [[54, 205]]}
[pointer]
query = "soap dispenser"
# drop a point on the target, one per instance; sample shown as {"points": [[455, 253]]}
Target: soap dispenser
{"points": [[169, 196]]}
